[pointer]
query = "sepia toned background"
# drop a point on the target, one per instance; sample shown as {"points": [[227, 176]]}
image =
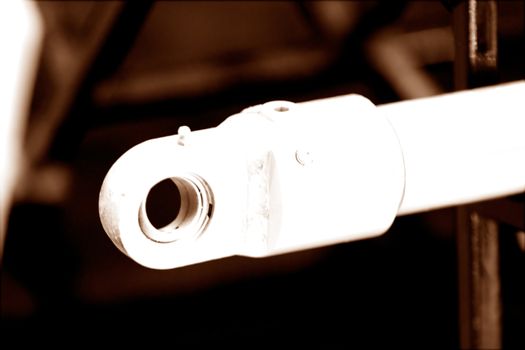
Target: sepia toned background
{"points": [[113, 74]]}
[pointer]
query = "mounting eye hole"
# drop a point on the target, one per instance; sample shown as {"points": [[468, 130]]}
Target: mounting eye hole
{"points": [[163, 203], [175, 208]]}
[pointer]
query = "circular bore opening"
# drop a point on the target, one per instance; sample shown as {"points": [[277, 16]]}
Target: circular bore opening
{"points": [[163, 203], [175, 208]]}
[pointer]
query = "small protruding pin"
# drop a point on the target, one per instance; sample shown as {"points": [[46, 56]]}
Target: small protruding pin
{"points": [[183, 132]]}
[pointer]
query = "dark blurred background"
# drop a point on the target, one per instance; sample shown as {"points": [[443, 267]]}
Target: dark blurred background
{"points": [[113, 74]]}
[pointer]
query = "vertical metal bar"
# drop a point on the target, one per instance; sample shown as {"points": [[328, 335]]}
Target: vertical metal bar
{"points": [[476, 44], [478, 257], [475, 65]]}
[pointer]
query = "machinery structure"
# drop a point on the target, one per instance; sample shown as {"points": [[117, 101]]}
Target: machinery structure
{"points": [[281, 177], [395, 126]]}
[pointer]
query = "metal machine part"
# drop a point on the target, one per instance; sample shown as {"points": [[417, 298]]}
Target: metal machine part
{"points": [[281, 177]]}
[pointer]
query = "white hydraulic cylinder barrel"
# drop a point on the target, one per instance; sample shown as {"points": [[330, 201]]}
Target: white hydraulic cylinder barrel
{"points": [[282, 177]]}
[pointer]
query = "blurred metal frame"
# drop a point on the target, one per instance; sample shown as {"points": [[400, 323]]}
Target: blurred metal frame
{"points": [[84, 59], [475, 25], [84, 41]]}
